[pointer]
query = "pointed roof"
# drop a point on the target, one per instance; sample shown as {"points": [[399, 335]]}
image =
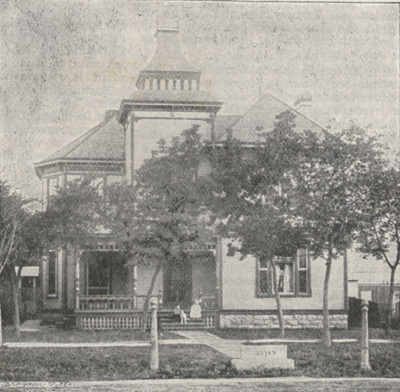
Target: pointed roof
{"points": [[262, 116], [105, 142], [223, 122], [168, 59], [168, 55]]}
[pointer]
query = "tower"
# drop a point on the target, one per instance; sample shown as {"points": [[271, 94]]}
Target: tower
{"points": [[168, 100]]}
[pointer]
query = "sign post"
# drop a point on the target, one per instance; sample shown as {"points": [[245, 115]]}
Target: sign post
{"points": [[364, 337], [154, 362]]}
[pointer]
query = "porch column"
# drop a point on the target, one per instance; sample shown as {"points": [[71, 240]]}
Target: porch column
{"points": [[134, 286], [77, 279]]}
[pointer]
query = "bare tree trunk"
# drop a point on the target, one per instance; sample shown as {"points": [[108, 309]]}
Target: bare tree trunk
{"points": [[389, 311], [278, 300], [326, 334], [150, 293], [15, 298]]}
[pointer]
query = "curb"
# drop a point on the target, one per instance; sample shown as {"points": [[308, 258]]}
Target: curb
{"points": [[193, 382]]}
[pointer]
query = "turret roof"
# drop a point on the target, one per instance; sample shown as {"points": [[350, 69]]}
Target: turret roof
{"points": [[168, 56], [103, 142]]}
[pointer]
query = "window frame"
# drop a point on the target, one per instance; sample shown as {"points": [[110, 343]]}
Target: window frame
{"points": [[297, 270], [48, 260]]}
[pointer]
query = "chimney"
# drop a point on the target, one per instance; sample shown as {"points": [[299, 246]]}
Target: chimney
{"points": [[303, 102]]}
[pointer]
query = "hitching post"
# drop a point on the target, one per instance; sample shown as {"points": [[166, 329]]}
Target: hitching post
{"points": [[154, 363], [364, 337]]}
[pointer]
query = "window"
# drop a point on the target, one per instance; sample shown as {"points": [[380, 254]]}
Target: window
{"points": [[303, 271], [52, 274], [284, 266], [293, 274], [98, 274]]}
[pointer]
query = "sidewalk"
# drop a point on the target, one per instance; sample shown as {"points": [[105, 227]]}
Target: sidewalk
{"points": [[284, 384], [231, 348]]}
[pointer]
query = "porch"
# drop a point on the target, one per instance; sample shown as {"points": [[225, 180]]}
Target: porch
{"points": [[126, 312], [112, 295]]}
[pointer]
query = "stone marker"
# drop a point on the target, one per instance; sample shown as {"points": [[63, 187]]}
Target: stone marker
{"points": [[266, 356]]}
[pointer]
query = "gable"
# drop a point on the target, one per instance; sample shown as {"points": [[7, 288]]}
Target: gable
{"points": [[262, 117]]}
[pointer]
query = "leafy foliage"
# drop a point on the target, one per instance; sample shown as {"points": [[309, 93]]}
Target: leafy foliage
{"points": [[74, 215], [379, 219], [20, 242], [294, 189], [157, 218]]}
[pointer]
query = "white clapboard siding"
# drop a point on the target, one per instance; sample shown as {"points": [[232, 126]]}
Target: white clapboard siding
{"points": [[239, 286], [145, 273]]}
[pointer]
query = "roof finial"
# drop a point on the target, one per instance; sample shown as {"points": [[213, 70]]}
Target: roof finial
{"points": [[167, 18]]}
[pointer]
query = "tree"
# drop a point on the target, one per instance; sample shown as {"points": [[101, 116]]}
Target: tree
{"points": [[73, 219], [20, 242], [328, 190], [294, 189], [379, 233], [158, 219], [249, 200]]}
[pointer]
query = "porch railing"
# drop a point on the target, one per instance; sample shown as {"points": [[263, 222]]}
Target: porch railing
{"points": [[110, 303], [208, 302]]}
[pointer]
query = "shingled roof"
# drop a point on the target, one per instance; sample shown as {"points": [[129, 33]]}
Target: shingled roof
{"points": [[262, 116], [105, 142]]}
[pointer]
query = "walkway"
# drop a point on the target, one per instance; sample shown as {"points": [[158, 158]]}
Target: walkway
{"points": [[231, 348]]}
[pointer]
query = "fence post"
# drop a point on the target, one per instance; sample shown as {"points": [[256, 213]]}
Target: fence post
{"points": [[364, 337], [154, 362], [1, 330]]}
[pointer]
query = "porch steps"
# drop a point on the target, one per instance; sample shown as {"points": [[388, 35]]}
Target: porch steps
{"points": [[169, 322]]}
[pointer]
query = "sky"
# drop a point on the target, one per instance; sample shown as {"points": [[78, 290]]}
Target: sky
{"points": [[64, 63]]}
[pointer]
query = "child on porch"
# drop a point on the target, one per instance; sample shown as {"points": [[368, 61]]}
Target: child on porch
{"points": [[178, 312]]}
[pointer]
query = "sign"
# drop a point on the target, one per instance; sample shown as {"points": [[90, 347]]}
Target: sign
{"points": [[266, 356]]}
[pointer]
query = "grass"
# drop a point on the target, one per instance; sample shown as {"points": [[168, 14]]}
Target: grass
{"points": [[56, 335], [91, 336], [122, 363], [43, 364], [259, 334]]}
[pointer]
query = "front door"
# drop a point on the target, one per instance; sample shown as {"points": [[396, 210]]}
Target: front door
{"points": [[178, 283]]}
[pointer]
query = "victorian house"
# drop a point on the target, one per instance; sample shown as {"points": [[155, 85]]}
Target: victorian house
{"points": [[101, 292]]}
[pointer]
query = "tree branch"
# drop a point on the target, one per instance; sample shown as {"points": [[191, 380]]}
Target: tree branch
{"points": [[10, 245], [381, 249]]}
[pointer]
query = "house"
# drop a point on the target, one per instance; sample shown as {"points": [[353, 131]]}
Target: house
{"points": [[97, 287]]}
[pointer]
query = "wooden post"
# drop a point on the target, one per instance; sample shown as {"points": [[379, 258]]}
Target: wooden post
{"points": [[364, 337], [134, 286], [154, 362], [77, 279], [160, 299]]}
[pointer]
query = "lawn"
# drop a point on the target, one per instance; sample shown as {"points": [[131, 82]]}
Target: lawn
{"points": [[189, 361], [57, 335], [258, 334]]}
